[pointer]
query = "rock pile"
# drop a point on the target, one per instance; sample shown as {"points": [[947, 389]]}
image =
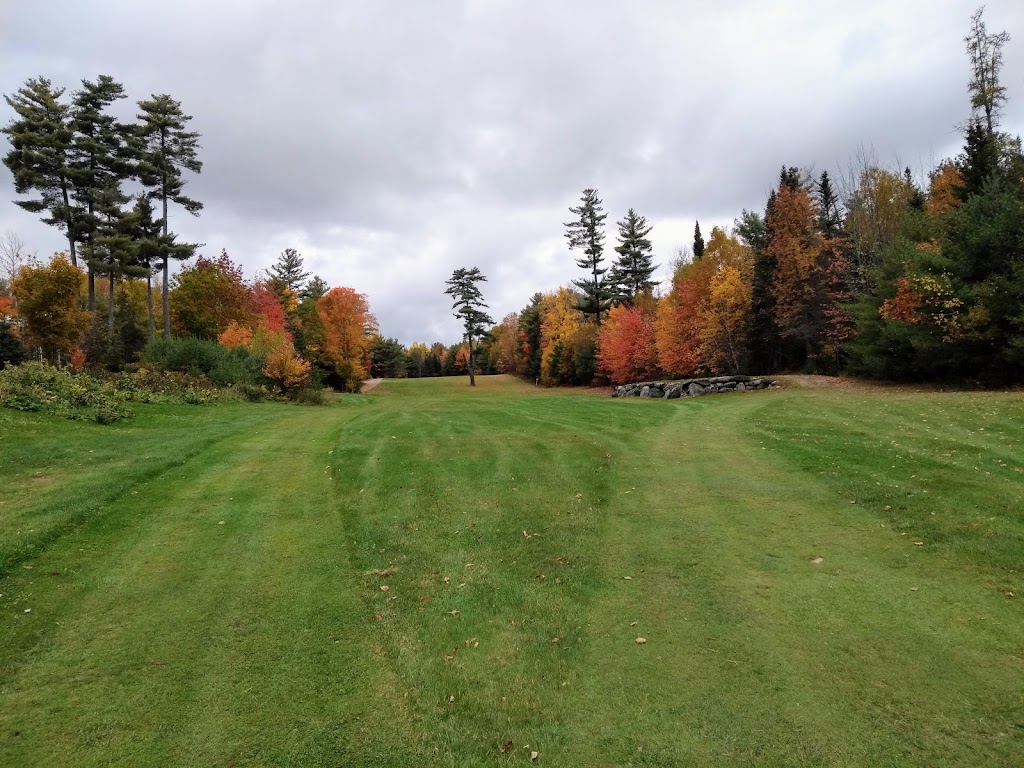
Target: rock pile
{"points": [[670, 390]]}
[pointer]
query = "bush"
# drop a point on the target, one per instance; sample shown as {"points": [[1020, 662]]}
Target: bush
{"points": [[41, 387], [199, 357], [309, 395]]}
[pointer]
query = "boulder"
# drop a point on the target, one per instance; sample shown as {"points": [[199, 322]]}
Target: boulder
{"points": [[695, 389], [646, 391], [741, 387]]}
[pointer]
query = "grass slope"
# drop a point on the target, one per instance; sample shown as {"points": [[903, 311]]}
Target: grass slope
{"points": [[424, 574]]}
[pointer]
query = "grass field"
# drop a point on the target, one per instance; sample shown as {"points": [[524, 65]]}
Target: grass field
{"points": [[432, 576]]}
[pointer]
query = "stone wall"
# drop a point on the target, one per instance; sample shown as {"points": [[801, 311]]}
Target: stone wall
{"points": [[670, 390]]}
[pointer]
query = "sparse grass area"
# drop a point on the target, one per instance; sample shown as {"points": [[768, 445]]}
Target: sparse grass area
{"points": [[421, 575]]}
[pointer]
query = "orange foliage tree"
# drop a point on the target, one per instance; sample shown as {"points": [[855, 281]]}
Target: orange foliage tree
{"points": [[348, 330], [702, 324], [627, 346], [800, 282]]}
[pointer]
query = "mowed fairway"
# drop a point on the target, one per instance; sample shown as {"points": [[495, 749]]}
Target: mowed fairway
{"points": [[430, 575]]}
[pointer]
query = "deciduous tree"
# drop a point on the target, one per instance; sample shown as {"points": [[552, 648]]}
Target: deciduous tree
{"points": [[348, 330]]}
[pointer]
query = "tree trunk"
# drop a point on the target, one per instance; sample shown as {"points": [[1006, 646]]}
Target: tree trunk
{"points": [[472, 373], [164, 292], [110, 307], [149, 306], [166, 302], [69, 221]]}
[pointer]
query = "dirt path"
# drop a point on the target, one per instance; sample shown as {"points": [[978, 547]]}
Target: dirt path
{"points": [[370, 384]]}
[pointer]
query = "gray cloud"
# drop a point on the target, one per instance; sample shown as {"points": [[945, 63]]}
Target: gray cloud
{"points": [[393, 142]]}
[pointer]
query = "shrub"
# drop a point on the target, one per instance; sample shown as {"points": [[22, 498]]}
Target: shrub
{"points": [[199, 357], [37, 386]]}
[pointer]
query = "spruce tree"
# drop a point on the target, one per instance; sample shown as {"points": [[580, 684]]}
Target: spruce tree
{"points": [[630, 275], [586, 234], [469, 306], [98, 164], [287, 271], [39, 158], [698, 243], [830, 218], [165, 149]]}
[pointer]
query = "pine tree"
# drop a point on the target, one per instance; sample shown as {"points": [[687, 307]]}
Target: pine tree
{"points": [[165, 149], [764, 334], [830, 218], [114, 249], [586, 234], [39, 158], [630, 275], [316, 288], [287, 271], [98, 163], [698, 243], [469, 306]]}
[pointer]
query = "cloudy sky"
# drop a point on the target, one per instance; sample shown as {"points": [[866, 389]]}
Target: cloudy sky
{"points": [[391, 142]]}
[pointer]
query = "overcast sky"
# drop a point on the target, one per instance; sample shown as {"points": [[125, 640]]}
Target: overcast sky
{"points": [[392, 142]]}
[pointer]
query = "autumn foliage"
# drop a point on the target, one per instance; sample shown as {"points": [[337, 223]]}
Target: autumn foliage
{"points": [[348, 330]]}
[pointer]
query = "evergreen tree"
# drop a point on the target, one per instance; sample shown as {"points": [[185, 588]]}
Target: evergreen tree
{"points": [[765, 340], [630, 275], [529, 327], [469, 306], [98, 164], [12, 352], [698, 243], [830, 218], [165, 149], [113, 250], [287, 271], [39, 158], [315, 288], [586, 234]]}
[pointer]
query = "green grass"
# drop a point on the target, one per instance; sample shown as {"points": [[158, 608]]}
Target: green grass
{"points": [[203, 585]]}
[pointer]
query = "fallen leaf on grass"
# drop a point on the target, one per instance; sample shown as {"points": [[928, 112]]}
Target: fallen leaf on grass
{"points": [[378, 617], [454, 613], [628, 578], [425, 599], [818, 560], [534, 756], [1008, 593], [554, 640], [913, 589], [445, 579], [640, 640], [221, 523], [383, 573], [451, 699], [505, 747], [27, 567], [385, 588], [633, 623], [918, 543]]}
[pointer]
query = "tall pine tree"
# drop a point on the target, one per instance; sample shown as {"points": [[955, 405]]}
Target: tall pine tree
{"points": [[698, 243], [39, 158], [630, 275], [165, 150], [469, 307], [98, 164], [586, 234]]}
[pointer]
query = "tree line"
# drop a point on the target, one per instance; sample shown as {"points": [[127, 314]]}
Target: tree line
{"points": [[886, 278]]}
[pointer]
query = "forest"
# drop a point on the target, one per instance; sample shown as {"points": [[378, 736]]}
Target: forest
{"points": [[876, 274]]}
